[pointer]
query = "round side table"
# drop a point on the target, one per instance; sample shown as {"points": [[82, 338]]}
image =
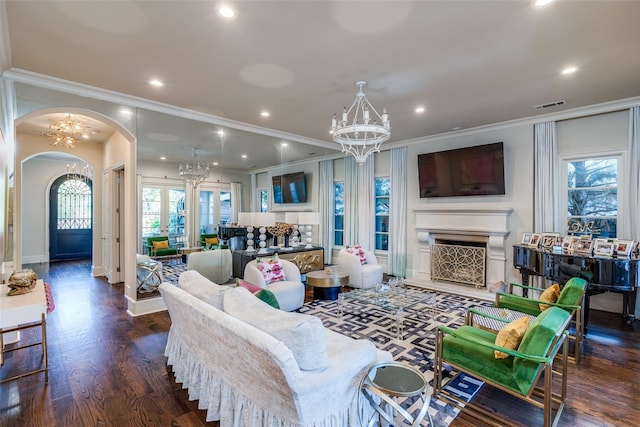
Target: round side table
{"points": [[326, 286], [388, 380]]}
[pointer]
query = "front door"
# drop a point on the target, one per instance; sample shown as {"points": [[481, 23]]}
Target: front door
{"points": [[71, 220]]}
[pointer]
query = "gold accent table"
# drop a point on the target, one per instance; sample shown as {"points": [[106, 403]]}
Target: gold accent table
{"points": [[326, 286], [20, 312]]}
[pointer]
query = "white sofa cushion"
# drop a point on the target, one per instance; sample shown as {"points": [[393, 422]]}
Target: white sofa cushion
{"points": [[202, 288], [304, 335]]}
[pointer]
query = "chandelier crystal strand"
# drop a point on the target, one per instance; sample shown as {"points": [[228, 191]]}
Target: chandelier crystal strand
{"points": [[66, 132], [194, 173], [361, 136]]}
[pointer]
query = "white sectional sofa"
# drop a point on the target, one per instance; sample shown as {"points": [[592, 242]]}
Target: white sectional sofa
{"points": [[251, 365]]}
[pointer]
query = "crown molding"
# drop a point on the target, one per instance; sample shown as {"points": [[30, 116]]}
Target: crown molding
{"points": [[54, 83], [5, 45]]}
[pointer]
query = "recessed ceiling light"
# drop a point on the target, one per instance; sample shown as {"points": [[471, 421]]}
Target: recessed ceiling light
{"points": [[221, 132], [215, 163], [126, 112], [85, 136], [156, 83], [163, 158], [265, 113], [541, 3], [226, 12], [420, 109], [284, 144], [244, 156], [569, 70]]}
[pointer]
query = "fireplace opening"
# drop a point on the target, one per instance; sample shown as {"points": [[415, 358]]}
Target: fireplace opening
{"points": [[459, 261]]}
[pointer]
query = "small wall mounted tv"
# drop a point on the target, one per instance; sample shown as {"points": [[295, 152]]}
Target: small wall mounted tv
{"points": [[471, 171], [289, 188]]}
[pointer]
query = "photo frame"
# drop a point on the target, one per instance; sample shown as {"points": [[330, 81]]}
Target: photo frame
{"points": [[535, 239], [526, 237], [583, 246], [624, 248], [547, 240], [566, 243], [603, 247]]}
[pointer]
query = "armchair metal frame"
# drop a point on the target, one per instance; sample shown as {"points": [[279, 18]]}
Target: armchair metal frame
{"points": [[577, 314], [542, 396]]}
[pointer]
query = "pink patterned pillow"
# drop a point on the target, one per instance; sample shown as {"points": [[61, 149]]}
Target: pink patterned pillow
{"points": [[271, 269], [250, 286], [359, 252]]}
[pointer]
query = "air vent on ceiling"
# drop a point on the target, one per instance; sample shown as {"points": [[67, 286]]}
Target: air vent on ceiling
{"points": [[549, 104]]}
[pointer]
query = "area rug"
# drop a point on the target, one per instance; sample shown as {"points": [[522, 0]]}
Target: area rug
{"points": [[416, 344], [171, 271]]}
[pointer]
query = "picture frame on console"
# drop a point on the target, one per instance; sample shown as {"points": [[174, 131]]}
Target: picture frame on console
{"points": [[583, 246], [535, 240], [547, 240], [624, 248], [566, 243], [526, 238], [603, 247]]}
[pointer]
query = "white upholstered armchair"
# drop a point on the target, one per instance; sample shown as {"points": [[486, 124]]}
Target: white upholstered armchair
{"points": [[289, 292], [215, 265], [360, 275]]}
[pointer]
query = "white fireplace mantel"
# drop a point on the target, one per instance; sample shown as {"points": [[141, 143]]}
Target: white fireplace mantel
{"points": [[461, 222]]}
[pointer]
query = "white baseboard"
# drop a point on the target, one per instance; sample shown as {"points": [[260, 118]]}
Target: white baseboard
{"points": [[34, 259], [145, 306]]}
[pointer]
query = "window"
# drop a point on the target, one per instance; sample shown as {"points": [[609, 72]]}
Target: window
{"points": [[383, 190], [338, 213], [74, 205], [592, 196], [225, 207], [264, 201], [162, 211]]}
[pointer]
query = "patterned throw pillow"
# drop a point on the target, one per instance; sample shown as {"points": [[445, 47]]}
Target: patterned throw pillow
{"points": [[262, 294], [359, 252], [271, 269], [249, 286]]}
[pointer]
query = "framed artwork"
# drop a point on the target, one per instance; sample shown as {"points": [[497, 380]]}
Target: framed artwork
{"points": [[526, 237], [583, 246], [603, 247], [535, 239], [566, 243], [624, 248], [558, 242], [547, 240]]}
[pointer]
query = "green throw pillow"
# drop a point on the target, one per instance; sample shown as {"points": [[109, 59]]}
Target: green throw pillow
{"points": [[268, 297]]}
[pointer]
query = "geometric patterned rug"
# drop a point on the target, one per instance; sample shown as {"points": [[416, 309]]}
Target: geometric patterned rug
{"points": [[415, 347]]}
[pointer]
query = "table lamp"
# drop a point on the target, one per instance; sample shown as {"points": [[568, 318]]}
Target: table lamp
{"points": [[309, 219]]}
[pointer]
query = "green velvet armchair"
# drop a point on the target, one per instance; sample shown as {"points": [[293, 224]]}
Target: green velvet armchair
{"points": [[571, 299], [154, 250], [211, 238], [528, 373]]}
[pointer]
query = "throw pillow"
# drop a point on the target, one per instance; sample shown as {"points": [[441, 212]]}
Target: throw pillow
{"points": [[304, 335], [359, 252], [211, 240], [510, 336], [249, 286], [160, 244], [269, 297], [550, 294], [271, 269]]}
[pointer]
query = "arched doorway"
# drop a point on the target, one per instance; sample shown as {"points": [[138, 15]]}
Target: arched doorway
{"points": [[71, 218]]}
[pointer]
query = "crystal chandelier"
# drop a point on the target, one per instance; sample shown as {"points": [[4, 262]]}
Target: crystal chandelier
{"points": [[79, 172], [360, 135], [194, 173], [66, 132]]}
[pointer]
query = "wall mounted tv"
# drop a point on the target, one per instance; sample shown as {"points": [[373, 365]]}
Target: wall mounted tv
{"points": [[289, 188], [472, 171]]}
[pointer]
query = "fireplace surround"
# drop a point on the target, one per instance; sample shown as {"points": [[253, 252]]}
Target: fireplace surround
{"points": [[463, 224]]}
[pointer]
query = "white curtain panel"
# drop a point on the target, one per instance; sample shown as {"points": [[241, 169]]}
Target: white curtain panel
{"points": [[236, 200], [254, 193], [326, 208], [631, 227], [398, 213], [350, 233], [545, 177], [366, 204]]}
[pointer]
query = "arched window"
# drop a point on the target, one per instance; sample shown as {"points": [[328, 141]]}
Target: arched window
{"points": [[74, 205]]}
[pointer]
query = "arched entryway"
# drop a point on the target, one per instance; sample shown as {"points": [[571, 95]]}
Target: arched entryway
{"points": [[71, 218]]}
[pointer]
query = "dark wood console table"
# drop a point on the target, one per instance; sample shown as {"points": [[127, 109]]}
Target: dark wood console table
{"points": [[603, 274], [306, 259]]}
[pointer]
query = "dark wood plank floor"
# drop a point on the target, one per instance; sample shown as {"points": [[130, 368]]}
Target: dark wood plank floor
{"points": [[107, 368]]}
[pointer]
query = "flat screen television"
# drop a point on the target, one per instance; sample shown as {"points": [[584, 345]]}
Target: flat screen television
{"points": [[471, 171], [289, 188]]}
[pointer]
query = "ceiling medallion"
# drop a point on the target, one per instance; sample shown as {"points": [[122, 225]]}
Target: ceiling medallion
{"points": [[66, 132], [360, 136]]}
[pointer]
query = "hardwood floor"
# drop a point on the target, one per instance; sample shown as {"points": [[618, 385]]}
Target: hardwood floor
{"points": [[107, 368]]}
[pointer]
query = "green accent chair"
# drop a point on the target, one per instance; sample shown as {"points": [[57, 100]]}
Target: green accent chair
{"points": [[528, 374], [159, 252], [571, 299], [203, 241]]}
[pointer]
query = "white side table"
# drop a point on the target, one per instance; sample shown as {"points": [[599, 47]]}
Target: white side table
{"points": [[20, 312]]}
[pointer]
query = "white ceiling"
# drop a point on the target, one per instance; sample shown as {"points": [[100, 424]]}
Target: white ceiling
{"points": [[470, 63]]}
